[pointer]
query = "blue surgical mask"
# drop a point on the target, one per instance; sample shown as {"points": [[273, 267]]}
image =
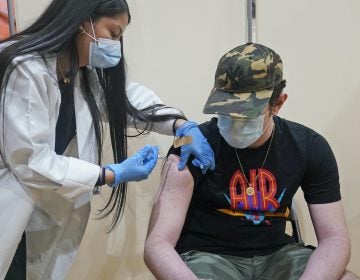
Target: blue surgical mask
{"points": [[241, 132], [103, 53]]}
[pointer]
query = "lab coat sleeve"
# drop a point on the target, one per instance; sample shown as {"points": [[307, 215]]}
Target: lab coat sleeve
{"points": [[141, 97], [29, 114]]}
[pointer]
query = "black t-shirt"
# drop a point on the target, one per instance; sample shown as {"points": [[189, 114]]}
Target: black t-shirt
{"points": [[224, 218]]}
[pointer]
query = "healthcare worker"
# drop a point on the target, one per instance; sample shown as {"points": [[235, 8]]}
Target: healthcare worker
{"points": [[60, 79]]}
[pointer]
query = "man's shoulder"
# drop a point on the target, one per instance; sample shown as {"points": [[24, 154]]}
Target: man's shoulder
{"points": [[209, 127], [211, 131], [286, 125], [299, 134]]}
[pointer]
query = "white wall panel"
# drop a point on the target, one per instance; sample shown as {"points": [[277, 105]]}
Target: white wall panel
{"points": [[28, 10]]}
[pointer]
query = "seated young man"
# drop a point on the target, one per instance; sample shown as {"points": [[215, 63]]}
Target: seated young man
{"points": [[230, 222]]}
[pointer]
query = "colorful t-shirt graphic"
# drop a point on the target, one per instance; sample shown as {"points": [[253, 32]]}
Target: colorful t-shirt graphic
{"points": [[253, 200]]}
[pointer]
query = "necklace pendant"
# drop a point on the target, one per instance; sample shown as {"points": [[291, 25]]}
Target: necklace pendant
{"points": [[250, 190], [67, 81]]}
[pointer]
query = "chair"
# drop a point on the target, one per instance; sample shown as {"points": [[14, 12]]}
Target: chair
{"points": [[293, 218]]}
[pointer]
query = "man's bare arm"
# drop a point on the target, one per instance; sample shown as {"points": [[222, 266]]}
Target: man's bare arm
{"points": [[166, 222], [332, 254]]}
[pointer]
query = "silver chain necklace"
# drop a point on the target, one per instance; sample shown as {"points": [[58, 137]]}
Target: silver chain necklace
{"points": [[250, 188]]}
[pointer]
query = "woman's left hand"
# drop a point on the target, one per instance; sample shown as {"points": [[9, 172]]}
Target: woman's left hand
{"points": [[199, 148]]}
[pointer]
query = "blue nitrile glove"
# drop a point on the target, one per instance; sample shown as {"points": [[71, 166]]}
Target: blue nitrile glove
{"points": [[199, 148], [135, 168]]}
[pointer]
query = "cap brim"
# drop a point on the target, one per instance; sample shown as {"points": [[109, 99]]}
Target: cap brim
{"points": [[244, 105]]}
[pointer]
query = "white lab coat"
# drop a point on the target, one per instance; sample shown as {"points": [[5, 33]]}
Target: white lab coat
{"points": [[46, 194]]}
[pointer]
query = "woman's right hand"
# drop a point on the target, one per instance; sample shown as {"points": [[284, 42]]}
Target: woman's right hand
{"points": [[135, 168]]}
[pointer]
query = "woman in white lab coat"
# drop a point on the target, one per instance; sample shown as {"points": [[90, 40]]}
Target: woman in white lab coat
{"points": [[60, 79]]}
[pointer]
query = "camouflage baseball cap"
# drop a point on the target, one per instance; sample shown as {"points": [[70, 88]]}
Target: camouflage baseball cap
{"points": [[244, 81]]}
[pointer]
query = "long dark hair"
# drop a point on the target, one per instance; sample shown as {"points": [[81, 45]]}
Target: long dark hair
{"points": [[53, 34]]}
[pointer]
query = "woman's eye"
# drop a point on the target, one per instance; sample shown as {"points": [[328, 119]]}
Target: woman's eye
{"points": [[115, 35]]}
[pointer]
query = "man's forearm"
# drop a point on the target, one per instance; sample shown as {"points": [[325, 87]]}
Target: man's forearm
{"points": [[165, 263], [329, 260]]}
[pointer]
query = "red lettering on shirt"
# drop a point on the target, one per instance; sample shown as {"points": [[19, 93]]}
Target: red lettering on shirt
{"points": [[263, 197]]}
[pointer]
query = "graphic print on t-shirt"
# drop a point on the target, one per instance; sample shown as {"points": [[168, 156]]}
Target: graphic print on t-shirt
{"points": [[255, 200]]}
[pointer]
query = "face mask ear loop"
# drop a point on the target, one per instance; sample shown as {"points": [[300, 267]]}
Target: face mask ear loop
{"points": [[92, 27], [92, 37]]}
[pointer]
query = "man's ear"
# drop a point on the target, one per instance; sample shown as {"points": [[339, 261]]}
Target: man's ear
{"points": [[279, 103]]}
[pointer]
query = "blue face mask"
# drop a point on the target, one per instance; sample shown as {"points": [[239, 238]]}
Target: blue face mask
{"points": [[103, 53], [241, 133]]}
